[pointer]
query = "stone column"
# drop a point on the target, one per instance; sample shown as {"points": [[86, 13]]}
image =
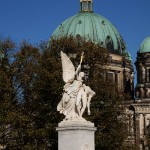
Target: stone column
{"points": [[142, 93], [147, 75], [137, 138], [132, 126], [121, 81], [76, 135], [147, 92], [143, 75], [117, 78], [144, 124]]}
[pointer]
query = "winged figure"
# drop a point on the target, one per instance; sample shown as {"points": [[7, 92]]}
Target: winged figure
{"points": [[76, 96]]}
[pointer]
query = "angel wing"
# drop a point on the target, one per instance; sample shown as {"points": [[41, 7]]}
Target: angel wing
{"points": [[68, 68]]}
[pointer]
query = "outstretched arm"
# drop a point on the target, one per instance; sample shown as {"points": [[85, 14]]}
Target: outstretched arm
{"points": [[79, 67]]}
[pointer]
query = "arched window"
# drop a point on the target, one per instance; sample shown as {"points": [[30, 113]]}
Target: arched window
{"points": [[111, 77], [109, 43]]}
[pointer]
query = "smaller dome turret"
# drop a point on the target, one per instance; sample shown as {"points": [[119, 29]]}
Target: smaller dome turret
{"points": [[145, 46], [143, 71]]}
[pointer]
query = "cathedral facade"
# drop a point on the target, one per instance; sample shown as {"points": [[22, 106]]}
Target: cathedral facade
{"points": [[98, 29], [139, 108]]}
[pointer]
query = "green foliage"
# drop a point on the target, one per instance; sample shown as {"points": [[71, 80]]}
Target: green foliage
{"points": [[7, 92], [31, 87], [35, 79]]}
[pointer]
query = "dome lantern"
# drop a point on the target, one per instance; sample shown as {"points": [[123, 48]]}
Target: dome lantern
{"points": [[86, 5]]}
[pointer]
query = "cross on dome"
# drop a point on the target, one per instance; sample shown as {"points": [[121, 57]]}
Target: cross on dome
{"points": [[86, 5]]}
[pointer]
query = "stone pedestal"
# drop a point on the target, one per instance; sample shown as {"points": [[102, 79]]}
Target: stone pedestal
{"points": [[76, 135]]}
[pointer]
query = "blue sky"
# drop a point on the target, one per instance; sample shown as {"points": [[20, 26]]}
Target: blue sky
{"points": [[35, 20]]}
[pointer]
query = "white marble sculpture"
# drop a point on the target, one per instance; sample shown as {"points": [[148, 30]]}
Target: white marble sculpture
{"points": [[76, 96]]}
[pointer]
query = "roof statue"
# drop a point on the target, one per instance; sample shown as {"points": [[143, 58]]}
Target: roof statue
{"points": [[76, 96]]}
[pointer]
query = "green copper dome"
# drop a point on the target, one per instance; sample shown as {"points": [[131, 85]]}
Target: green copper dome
{"points": [[145, 46], [92, 27]]}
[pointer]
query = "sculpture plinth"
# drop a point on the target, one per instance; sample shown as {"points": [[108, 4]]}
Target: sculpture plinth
{"points": [[76, 135]]}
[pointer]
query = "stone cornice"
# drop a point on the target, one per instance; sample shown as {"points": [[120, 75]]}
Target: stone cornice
{"points": [[141, 108]]}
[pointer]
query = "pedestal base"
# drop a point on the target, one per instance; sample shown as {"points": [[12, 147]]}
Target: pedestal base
{"points": [[76, 135]]}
